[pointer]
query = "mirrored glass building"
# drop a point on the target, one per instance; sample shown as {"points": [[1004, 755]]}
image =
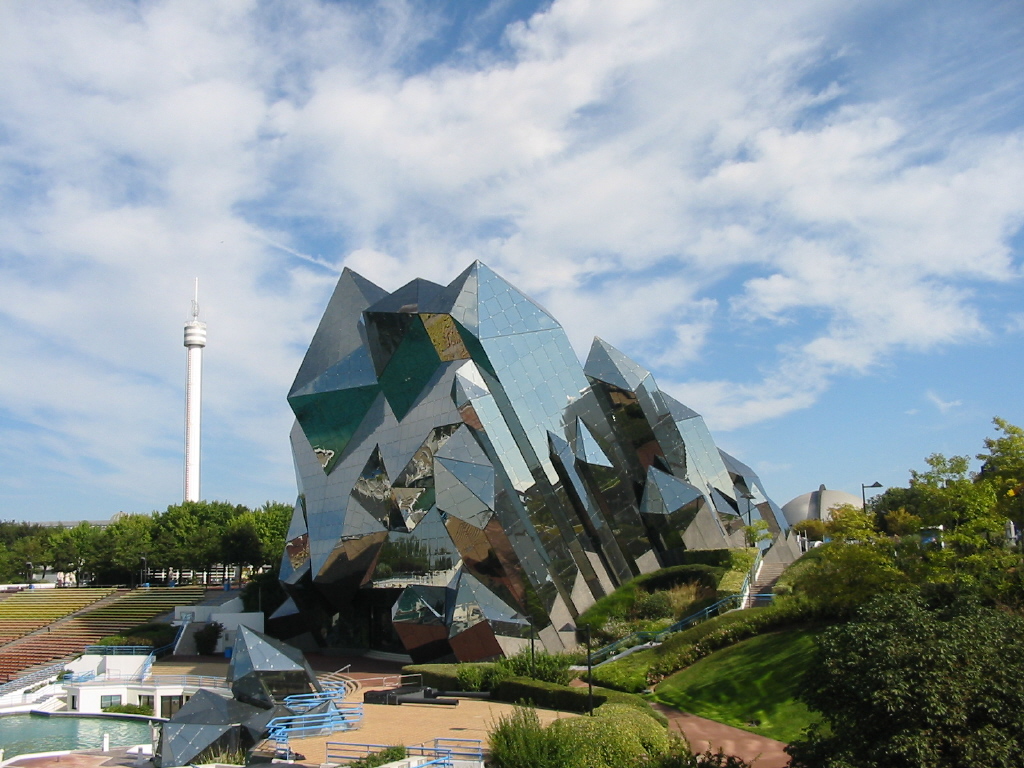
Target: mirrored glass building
{"points": [[465, 483]]}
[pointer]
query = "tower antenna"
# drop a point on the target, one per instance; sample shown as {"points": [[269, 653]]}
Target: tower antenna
{"points": [[195, 341]]}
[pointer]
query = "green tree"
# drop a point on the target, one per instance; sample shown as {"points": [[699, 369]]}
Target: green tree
{"points": [[918, 679], [1003, 467], [842, 577], [848, 523], [130, 537]]}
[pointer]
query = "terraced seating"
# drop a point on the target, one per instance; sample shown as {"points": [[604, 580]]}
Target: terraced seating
{"points": [[33, 609], [70, 637]]}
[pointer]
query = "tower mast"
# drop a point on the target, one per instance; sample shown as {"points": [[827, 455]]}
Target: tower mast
{"points": [[195, 340]]}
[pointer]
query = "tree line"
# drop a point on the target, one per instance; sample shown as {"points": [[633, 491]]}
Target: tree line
{"points": [[193, 536]]}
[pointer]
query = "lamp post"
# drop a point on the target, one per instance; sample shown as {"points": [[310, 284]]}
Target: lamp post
{"points": [[863, 493], [533, 657], [143, 571], [590, 676], [749, 497]]}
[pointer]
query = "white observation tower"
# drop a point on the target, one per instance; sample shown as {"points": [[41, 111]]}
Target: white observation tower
{"points": [[195, 340]]}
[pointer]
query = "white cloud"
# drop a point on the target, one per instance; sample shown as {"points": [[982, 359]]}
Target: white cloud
{"points": [[944, 406], [660, 174]]}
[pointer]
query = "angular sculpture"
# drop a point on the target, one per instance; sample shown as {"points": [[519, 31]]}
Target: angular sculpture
{"points": [[465, 484], [263, 671]]}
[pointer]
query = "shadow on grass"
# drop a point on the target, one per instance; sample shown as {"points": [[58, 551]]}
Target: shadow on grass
{"points": [[751, 685]]}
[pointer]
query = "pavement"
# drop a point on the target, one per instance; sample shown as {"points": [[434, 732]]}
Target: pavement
{"points": [[411, 724], [703, 734]]}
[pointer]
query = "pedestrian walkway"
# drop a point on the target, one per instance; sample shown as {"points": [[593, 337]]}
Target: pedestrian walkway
{"points": [[704, 734]]}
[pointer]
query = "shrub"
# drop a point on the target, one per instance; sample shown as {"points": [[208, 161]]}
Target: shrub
{"points": [[207, 637], [644, 669], [470, 677], [547, 695], [619, 604], [618, 736], [595, 742], [124, 640], [652, 605], [442, 676], [549, 667], [519, 741], [385, 756]]}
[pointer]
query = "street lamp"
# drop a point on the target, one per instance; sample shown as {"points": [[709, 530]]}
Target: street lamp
{"points": [[863, 493], [750, 498]]}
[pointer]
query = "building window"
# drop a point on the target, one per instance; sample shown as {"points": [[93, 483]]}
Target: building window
{"points": [[146, 701], [110, 701], [74, 703], [169, 705]]}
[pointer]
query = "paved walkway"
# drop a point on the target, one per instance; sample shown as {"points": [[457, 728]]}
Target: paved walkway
{"points": [[703, 734]]}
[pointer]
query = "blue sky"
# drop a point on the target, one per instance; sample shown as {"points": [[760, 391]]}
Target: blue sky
{"points": [[804, 217]]}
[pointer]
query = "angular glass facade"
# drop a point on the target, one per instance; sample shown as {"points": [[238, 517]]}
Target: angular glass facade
{"points": [[465, 484]]}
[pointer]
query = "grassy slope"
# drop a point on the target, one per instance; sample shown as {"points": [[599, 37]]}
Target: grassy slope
{"points": [[756, 679]]}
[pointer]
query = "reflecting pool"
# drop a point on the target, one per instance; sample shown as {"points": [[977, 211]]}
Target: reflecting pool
{"points": [[38, 733]]}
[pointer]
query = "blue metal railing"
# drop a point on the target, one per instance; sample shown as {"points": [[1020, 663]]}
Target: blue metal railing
{"points": [[160, 652], [33, 677], [303, 702], [281, 729], [637, 638]]}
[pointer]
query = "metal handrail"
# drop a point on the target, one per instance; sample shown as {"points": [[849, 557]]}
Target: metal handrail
{"points": [[117, 650], [442, 749], [32, 677], [733, 601]]}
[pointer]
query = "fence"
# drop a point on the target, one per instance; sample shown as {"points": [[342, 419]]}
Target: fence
{"points": [[281, 729], [442, 751]]}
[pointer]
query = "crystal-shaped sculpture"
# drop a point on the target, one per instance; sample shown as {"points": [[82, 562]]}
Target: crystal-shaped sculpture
{"points": [[465, 483]]}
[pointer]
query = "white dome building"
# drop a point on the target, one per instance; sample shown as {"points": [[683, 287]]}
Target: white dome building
{"points": [[817, 505]]}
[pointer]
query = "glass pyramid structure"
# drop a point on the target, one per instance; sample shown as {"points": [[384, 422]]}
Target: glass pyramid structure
{"points": [[465, 483]]}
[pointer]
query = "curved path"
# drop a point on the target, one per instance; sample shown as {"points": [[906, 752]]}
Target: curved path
{"points": [[703, 734]]}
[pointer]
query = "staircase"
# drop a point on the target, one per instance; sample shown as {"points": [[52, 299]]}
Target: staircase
{"points": [[764, 584]]}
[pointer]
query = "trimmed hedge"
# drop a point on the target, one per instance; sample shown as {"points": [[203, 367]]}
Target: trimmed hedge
{"points": [[442, 676], [644, 669], [517, 690], [619, 602]]}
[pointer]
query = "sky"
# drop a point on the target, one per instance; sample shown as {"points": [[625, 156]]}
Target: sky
{"points": [[805, 218]]}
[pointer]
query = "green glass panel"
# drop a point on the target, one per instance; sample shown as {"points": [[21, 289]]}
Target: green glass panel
{"points": [[475, 349], [410, 369], [329, 419]]}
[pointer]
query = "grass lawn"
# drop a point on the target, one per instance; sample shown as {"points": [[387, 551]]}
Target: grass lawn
{"points": [[755, 681]]}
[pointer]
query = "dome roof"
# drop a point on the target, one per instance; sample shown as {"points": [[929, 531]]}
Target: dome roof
{"points": [[817, 505]]}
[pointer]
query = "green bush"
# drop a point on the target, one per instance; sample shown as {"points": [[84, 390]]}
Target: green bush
{"points": [[519, 690], [619, 604], [207, 637], [652, 605], [618, 736], [124, 640], [129, 709], [385, 756], [549, 667], [639, 671], [520, 741], [442, 676]]}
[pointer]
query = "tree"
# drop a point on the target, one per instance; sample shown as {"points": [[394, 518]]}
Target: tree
{"points": [[923, 678], [131, 540], [850, 524], [1003, 466], [841, 577]]}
